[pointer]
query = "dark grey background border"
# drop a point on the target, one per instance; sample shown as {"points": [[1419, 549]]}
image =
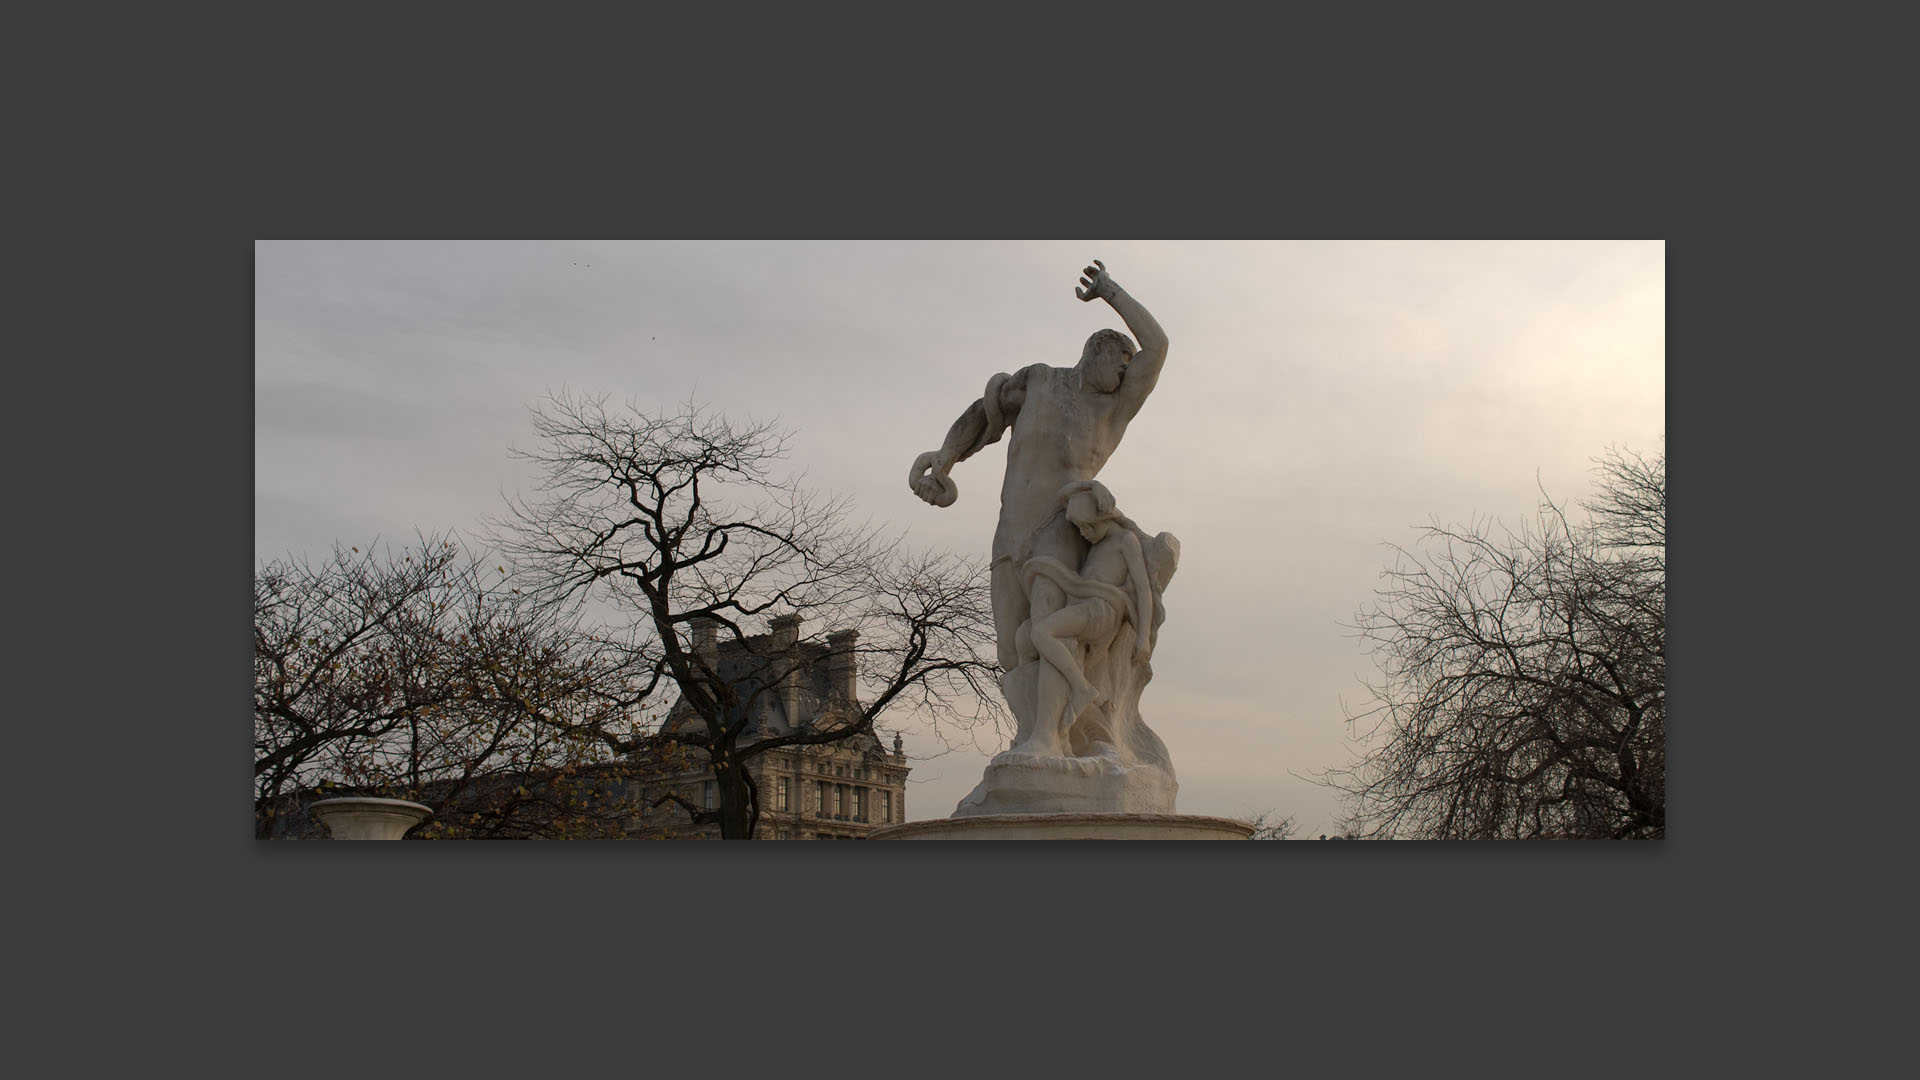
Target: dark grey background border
{"points": [[518, 956]]}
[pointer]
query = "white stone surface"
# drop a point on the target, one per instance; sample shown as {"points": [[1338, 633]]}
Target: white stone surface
{"points": [[368, 819], [1076, 584], [1070, 827]]}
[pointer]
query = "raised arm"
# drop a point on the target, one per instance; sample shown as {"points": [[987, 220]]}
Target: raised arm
{"points": [[979, 426], [1144, 370]]}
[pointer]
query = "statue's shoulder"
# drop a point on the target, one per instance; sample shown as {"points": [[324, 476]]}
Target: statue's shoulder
{"points": [[1038, 376]]}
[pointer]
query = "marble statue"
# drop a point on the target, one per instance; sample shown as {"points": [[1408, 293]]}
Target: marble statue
{"points": [[1076, 584], [1112, 594]]}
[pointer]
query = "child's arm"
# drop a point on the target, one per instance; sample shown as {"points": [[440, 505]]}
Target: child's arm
{"points": [[1143, 596]]}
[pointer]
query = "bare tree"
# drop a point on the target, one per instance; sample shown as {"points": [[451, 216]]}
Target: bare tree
{"points": [[1268, 826], [674, 522], [410, 674], [1523, 675]]}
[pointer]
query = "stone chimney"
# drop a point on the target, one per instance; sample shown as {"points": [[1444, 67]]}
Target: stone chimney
{"points": [[842, 665], [706, 639], [786, 661]]}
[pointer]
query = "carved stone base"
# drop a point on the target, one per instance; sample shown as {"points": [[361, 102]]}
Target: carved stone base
{"points": [[1070, 827], [1017, 783]]}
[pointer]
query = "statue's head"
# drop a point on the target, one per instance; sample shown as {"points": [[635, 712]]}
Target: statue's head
{"points": [[1090, 507], [1103, 363]]}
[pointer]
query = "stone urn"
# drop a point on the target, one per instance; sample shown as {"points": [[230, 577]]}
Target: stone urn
{"points": [[368, 819]]}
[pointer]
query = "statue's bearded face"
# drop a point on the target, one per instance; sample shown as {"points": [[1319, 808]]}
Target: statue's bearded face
{"points": [[1103, 363]]}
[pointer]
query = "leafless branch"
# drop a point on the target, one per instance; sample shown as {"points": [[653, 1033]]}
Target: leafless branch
{"points": [[1522, 675]]}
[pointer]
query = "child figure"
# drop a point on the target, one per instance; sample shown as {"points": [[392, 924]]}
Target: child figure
{"points": [[1111, 590]]}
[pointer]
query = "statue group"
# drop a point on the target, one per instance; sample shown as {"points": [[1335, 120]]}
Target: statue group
{"points": [[1076, 583]]}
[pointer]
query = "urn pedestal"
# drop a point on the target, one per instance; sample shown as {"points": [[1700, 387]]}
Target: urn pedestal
{"points": [[368, 819]]}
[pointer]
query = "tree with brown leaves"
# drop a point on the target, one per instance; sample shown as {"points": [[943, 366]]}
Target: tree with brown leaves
{"points": [[424, 674]]}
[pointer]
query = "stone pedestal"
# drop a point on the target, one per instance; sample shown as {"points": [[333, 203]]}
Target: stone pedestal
{"points": [[1023, 785], [1070, 827], [368, 819]]}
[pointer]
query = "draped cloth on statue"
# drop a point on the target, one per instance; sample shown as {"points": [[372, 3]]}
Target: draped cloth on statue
{"points": [[1112, 761]]}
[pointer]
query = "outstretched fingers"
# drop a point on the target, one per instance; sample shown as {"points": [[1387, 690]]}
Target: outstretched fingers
{"points": [[1092, 277]]}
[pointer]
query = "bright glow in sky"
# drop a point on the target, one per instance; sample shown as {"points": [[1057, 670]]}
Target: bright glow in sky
{"points": [[1320, 399]]}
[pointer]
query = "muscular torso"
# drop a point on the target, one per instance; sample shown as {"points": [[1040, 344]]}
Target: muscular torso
{"points": [[1061, 433]]}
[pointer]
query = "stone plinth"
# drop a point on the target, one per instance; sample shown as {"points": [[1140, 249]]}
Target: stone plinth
{"points": [[1026, 785], [368, 819], [1070, 827]]}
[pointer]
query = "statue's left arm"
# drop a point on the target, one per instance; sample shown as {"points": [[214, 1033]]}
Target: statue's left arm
{"points": [[979, 426], [1144, 370]]}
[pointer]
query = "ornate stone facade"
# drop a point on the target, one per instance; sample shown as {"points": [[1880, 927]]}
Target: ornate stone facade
{"points": [[830, 791], [833, 792]]}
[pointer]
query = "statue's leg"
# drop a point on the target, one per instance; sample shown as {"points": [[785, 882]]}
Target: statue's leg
{"points": [[1061, 690], [1050, 637], [1009, 611], [1050, 697], [1028, 676], [1013, 606]]}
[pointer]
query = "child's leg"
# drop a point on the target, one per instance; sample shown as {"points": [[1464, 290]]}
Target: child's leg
{"points": [[1049, 639]]}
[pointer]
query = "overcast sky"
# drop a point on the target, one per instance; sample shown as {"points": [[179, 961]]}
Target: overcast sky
{"points": [[1319, 400]]}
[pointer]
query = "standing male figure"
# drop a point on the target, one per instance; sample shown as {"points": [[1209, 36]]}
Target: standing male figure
{"points": [[1066, 423]]}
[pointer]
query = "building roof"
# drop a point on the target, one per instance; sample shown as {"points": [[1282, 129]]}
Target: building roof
{"points": [[755, 667]]}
